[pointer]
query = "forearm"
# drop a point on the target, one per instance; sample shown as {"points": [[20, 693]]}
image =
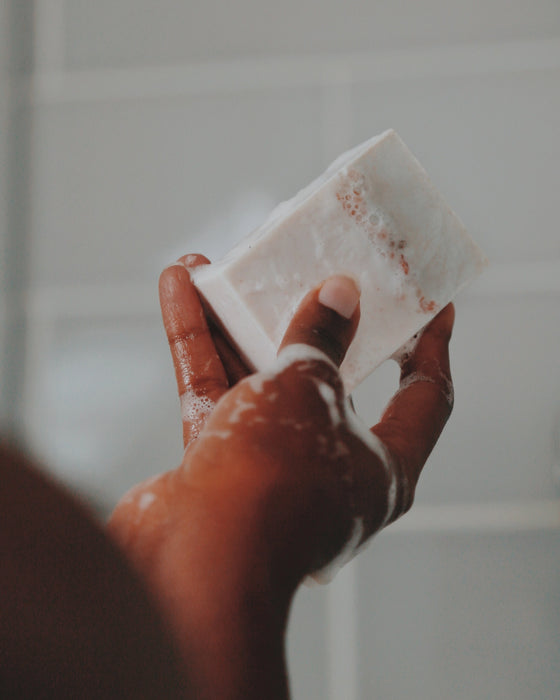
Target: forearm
{"points": [[232, 651]]}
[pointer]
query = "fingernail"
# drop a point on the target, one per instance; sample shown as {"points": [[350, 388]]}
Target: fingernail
{"points": [[190, 261], [341, 294]]}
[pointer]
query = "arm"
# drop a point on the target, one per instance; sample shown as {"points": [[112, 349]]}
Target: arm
{"points": [[75, 619]]}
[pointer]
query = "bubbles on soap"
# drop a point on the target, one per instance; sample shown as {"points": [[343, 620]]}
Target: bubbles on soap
{"points": [[382, 232], [375, 223]]}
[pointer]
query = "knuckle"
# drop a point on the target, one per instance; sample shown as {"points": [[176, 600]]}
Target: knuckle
{"points": [[192, 334]]}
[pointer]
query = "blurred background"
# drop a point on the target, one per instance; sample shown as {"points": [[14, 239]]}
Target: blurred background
{"points": [[134, 131]]}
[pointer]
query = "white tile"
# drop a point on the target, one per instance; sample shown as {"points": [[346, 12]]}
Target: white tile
{"points": [[490, 143], [498, 444], [101, 407], [16, 19], [99, 391], [4, 179], [3, 363], [4, 36], [306, 646], [120, 189], [460, 617], [131, 32], [4, 125], [4, 184]]}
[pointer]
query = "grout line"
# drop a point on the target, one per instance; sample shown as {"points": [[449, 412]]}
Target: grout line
{"points": [[93, 301], [40, 338], [106, 300], [18, 155], [342, 635], [483, 518], [266, 72], [465, 59]]}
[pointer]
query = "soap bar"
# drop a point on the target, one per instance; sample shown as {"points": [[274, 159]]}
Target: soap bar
{"points": [[374, 215]]}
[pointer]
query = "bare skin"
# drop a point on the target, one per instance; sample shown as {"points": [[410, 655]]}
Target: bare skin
{"points": [[76, 621], [274, 478]]}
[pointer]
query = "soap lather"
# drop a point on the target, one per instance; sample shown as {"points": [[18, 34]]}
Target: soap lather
{"points": [[373, 215]]}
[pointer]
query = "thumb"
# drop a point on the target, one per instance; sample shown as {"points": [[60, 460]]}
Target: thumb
{"points": [[327, 318]]}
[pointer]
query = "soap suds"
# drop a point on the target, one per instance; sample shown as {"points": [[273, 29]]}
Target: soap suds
{"points": [[195, 409], [300, 352], [219, 434], [239, 409], [448, 389], [391, 499], [294, 353], [257, 381], [146, 500], [361, 431], [296, 425], [374, 222], [404, 353], [444, 384], [381, 231], [132, 494], [328, 394]]}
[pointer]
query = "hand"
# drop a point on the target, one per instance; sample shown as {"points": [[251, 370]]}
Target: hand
{"points": [[276, 478]]}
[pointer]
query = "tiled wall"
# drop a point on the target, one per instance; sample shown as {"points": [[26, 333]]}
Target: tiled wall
{"points": [[4, 121], [161, 128]]}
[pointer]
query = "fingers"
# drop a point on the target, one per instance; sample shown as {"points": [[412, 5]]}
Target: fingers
{"points": [[193, 260], [234, 366], [429, 356], [327, 318], [415, 417], [200, 375]]}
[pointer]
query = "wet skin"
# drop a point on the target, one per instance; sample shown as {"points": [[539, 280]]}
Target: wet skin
{"points": [[276, 473]]}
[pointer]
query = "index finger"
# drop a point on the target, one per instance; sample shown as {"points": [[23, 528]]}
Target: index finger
{"points": [[327, 318], [200, 375]]}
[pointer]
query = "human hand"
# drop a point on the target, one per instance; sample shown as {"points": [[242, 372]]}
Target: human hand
{"points": [[206, 366], [278, 473], [205, 363]]}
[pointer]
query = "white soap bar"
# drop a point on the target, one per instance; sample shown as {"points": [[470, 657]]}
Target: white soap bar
{"points": [[373, 215]]}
